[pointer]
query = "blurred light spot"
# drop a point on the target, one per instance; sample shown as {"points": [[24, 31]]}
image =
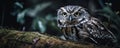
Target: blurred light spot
{"points": [[42, 28], [117, 12], [20, 17], [19, 4], [109, 4]]}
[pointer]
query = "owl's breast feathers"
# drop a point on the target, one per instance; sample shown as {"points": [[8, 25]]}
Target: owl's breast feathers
{"points": [[92, 29]]}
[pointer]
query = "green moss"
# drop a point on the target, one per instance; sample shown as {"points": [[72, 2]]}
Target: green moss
{"points": [[19, 39]]}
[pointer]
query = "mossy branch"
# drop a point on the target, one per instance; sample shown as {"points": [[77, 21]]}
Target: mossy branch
{"points": [[19, 39]]}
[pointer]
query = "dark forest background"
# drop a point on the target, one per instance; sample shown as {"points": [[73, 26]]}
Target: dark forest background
{"points": [[40, 15]]}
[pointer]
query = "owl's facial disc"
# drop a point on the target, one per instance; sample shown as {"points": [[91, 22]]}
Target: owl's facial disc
{"points": [[70, 16]]}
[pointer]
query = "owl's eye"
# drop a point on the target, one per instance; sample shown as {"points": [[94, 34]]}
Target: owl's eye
{"points": [[64, 14], [77, 14]]}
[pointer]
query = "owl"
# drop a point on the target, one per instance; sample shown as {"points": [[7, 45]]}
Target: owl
{"points": [[77, 24]]}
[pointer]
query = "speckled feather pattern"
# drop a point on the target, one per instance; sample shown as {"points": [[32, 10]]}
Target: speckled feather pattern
{"points": [[77, 27]]}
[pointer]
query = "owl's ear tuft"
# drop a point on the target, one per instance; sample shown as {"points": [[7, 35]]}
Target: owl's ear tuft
{"points": [[59, 9]]}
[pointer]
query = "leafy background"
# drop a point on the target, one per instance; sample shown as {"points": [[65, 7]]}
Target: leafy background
{"points": [[40, 15]]}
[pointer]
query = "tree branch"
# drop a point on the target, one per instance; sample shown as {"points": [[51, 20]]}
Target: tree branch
{"points": [[19, 39]]}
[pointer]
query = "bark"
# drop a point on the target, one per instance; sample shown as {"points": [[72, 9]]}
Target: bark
{"points": [[20, 39]]}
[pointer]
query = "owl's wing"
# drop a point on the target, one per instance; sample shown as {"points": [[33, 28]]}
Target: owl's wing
{"points": [[98, 32]]}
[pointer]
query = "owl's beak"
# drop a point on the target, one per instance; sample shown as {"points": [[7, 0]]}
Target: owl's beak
{"points": [[70, 18]]}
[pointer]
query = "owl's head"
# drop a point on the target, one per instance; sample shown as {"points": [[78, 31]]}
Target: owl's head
{"points": [[71, 15]]}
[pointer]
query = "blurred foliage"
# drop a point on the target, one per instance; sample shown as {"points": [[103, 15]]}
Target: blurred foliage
{"points": [[40, 15], [35, 18]]}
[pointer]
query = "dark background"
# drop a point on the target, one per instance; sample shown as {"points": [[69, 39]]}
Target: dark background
{"points": [[107, 11], [7, 6]]}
